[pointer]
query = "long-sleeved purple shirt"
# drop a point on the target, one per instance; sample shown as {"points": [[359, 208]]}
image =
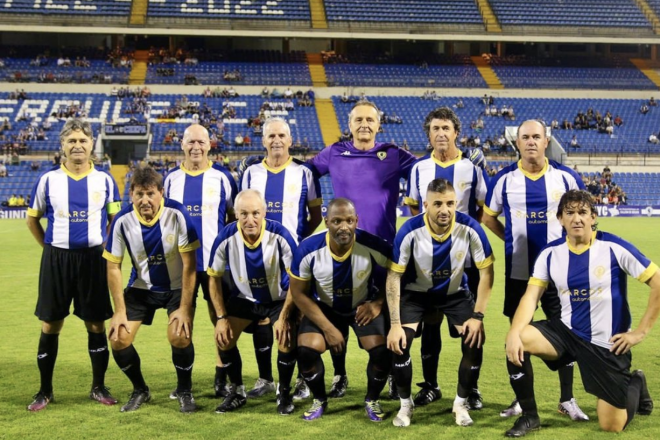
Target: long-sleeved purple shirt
{"points": [[370, 179]]}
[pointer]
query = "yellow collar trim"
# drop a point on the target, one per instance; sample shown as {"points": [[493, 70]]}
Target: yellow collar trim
{"points": [[197, 172], [79, 176], [280, 168], [436, 237], [534, 176], [153, 220], [261, 235], [584, 249], [447, 164], [335, 257]]}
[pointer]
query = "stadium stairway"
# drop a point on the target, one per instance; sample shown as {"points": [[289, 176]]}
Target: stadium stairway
{"points": [[487, 72], [138, 12], [139, 71], [316, 70], [325, 112], [119, 172], [646, 70], [490, 20], [650, 15], [317, 10]]}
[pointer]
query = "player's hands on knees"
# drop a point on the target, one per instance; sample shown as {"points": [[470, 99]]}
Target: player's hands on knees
{"points": [[623, 342], [283, 332], [118, 321], [474, 332], [223, 333], [515, 352], [367, 312], [182, 316], [335, 340], [396, 339]]}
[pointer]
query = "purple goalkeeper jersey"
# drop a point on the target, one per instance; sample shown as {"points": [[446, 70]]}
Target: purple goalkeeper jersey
{"points": [[370, 179]]}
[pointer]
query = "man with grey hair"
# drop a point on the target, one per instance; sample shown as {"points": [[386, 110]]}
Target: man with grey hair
{"points": [[79, 202], [292, 194], [207, 190], [257, 252]]}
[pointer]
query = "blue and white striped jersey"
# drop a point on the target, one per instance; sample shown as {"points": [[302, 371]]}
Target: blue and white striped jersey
{"points": [[468, 180], [77, 207], [435, 264], [208, 196], [530, 206], [154, 247], [592, 284], [288, 191], [259, 270], [340, 282]]}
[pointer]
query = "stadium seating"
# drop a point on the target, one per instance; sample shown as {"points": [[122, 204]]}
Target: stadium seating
{"points": [[589, 13], [98, 72], [224, 9], [251, 73], [410, 11], [457, 71], [69, 7], [630, 138], [569, 73]]}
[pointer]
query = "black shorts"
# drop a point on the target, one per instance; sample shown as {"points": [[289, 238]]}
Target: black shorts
{"points": [[377, 327], [473, 280], [457, 308], [141, 304], [604, 374], [514, 291], [246, 309], [202, 280], [78, 275]]}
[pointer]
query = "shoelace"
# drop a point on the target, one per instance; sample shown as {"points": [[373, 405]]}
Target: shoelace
{"points": [[374, 406], [316, 405]]}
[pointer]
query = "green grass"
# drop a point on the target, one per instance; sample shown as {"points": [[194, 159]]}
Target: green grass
{"points": [[74, 416]]}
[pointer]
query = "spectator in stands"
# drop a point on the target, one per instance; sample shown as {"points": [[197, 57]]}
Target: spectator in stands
{"points": [[501, 143], [13, 200], [567, 125], [15, 159], [644, 109], [574, 142], [57, 158], [653, 138], [20, 201], [265, 93], [460, 104], [652, 102], [554, 124], [405, 145], [34, 166], [3, 169], [618, 121], [239, 140], [288, 93], [247, 142]]}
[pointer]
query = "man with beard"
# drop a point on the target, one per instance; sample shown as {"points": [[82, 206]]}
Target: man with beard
{"points": [[430, 251]]}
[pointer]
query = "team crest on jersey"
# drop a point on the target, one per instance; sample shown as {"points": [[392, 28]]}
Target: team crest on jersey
{"points": [[460, 255], [211, 192], [463, 185], [241, 279], [141, 256], [292, 189], [556, 195], [599, 271], [362, 274], [381, 155], [97, 197], [170, 239]]}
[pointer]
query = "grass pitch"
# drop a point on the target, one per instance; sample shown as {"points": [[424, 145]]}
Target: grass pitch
{"points": [[74, 416]]}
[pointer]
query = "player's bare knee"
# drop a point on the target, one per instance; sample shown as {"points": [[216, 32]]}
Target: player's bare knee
{"points": [[609, 425], [52, 327], [180, 341], [95, 326], [122, 340]]}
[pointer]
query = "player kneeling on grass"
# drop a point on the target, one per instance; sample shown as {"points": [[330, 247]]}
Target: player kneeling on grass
{"points": [[430, 252], [161, 242], [257, 252], [336, 265], [589, 269]]}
